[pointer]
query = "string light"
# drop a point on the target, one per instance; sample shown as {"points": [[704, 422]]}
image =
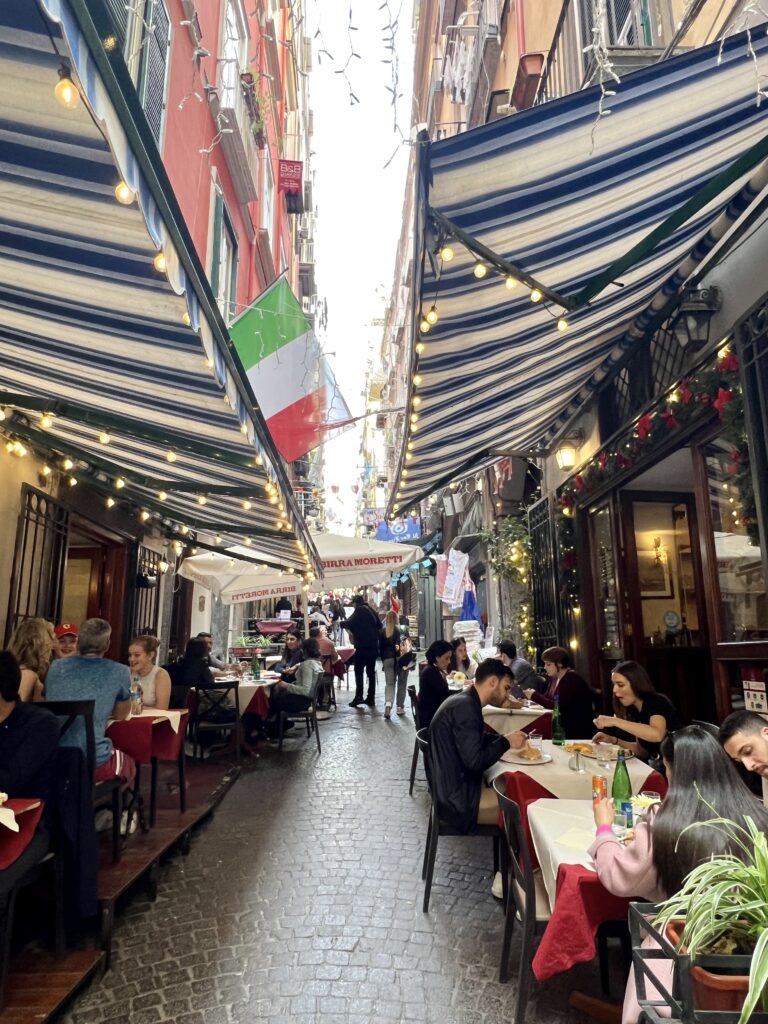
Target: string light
{"points": [[46, 421], [246, 505], [119, 483], [170, 455], [186, 318], [201, 499], [124, 194], [110, 502], [243, 428], [217, 539], [46, 470], [159, 262], [72, 481], [432, 316], [185, 530], [480, 270], [447, 254], [510, 282], [416, 402], [162, 496], [163, 566], [562, 324], [416, 380], [65, 90], [9, 446], [248, 541], [259, 461], [104, 437], [144, 515], [536, 295], [424, 325], [68, 464], [420, 346]]}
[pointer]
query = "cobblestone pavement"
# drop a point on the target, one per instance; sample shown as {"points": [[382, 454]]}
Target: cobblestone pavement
{"points": [[301, 900]]}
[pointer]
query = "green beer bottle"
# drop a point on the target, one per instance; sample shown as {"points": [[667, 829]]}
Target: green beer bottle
{"points": [[255, 667], [558, 733], [621, 790]]}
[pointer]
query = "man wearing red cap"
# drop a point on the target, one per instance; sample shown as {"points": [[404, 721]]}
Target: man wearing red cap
{"points": [[66, 634]]}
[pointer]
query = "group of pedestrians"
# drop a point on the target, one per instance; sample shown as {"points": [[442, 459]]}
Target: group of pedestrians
{"points": [[374, 639]]}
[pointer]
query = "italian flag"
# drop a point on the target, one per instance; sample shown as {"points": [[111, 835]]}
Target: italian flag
{"points": [[291, 379]]}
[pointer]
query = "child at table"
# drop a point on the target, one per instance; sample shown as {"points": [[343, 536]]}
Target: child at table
{"points": [[703, 783]]}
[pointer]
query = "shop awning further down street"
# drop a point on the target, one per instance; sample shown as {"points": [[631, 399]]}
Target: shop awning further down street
{"points": [[610, 214], [107, 361]]}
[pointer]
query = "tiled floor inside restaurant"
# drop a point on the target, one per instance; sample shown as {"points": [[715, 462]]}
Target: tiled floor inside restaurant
{"points": [[301, 900]]}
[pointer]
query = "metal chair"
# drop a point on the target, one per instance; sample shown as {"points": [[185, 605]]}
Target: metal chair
{"points": [[438, 827], [220, 713], [309, 716], [526, 898], [107, 791], [417, 722]]}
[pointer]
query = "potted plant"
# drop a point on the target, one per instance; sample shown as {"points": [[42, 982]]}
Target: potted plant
{"points": [[259, 135], [722, 908]]}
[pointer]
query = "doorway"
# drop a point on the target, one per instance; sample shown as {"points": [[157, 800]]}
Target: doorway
{"points": [[663, 585], [95, 577]]}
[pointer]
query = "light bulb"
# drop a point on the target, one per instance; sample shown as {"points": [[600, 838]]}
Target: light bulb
{"points": [[416, 380], [217, 539], [46, 421], [144, 515], [162, 495], [184, 530], [248, 541], [119, 483], [72, 481], [110, 502], [160, 263], [162, 565], [246, 505], [432, 316], [510, 282], [68, 464], [46, 471], [562, 324], [104, 437], [209, 363], [278, 525], [124, 194], [273, 499], [424, 326], [416, 402], [536, 295], [420, 346], [65, 89], [9, 446], [447, 254], [414, 418], [243, 428], [259, 461], [186, 318], [408, 456], [170, 455], [410, 446], [480, 270], [21, 451], [201, 499]]}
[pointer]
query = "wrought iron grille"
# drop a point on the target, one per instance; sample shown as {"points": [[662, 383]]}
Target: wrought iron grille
{"points": [[39, 559], [145, 606], [546, 605]]}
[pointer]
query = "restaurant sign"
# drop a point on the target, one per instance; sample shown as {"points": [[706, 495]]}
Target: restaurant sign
{"points": [[289, 174], [260, 593]]}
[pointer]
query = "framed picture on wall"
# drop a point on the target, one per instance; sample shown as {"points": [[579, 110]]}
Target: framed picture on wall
{"points": [[653, 574]]}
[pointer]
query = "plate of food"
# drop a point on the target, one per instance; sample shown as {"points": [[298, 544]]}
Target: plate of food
{"points": [[527, 755], [588, 750]]}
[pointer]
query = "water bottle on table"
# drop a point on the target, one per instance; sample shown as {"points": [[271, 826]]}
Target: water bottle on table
{"points": [[558, 733], [255, 667], [137, 695]]}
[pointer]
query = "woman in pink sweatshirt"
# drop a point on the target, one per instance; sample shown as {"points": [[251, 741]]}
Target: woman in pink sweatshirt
{"points": [[655, 863]]}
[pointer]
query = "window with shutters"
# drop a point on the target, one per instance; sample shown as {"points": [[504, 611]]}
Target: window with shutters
{"points": [[144, 31], [224, 260], [268, 202]]}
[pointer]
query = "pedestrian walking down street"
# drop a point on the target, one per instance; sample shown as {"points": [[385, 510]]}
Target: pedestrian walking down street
{"points": [[389, 649], [405, 663], [364, 626]]}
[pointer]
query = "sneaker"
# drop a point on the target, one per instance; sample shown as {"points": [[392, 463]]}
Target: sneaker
{"points": [[387, 710], [497, 889], [401, 711], [103, 820], [124, 831]]}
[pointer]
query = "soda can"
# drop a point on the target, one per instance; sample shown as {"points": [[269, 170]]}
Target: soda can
{"points": [[599, 788], [626, 808]]}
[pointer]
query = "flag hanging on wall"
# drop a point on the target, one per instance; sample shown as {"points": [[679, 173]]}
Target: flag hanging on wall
{"points": [[293, 383]]}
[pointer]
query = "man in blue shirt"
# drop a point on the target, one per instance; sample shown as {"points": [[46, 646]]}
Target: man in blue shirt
{"points": [[88, 675]]}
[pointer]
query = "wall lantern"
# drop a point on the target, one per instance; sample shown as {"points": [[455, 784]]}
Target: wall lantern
{"points": [[567, 452]]}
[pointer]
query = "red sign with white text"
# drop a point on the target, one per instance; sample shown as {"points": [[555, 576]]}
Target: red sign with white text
{"points": [[289, 174]]}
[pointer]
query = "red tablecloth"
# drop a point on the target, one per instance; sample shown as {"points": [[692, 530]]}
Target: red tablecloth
{"points": [[582, 904], [270, 627], [259, 703], [145, 738], [13, 844]]}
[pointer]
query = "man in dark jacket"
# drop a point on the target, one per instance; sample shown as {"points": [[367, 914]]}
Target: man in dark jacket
{"points": [[460, 750], [364, 625]]}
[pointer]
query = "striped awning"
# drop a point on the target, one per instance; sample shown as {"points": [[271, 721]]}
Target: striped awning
{"points": [[116, 372], [606, 215]]}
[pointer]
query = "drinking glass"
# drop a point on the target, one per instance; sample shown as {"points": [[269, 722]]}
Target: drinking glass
{"points": [[619, 825], [535, 740], [651, 794], [603, 756], [576, 763]]}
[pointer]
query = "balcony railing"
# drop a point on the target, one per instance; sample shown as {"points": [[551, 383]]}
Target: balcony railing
{"points": [[236, 125], [633, 33]]}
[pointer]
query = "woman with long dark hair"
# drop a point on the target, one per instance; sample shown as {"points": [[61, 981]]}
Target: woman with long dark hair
{"points": [[642, 717], [703, 784], [460, 659], [433, 682]]}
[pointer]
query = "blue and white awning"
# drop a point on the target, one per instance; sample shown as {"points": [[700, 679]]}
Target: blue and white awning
{"points": [[562, 195], [105, 360]]}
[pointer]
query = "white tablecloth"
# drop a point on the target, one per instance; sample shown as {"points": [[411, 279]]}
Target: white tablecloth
{"points": [[562, 832], [174, 717], [557, 777], [248, 687], [506, 720]]}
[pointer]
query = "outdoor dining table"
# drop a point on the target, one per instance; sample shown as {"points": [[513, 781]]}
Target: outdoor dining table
{"points": [[506, 720], [157, 734], [253, 694], [562, 832]]}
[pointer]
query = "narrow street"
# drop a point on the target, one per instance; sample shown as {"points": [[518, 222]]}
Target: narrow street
{"points": [[301, 899]]}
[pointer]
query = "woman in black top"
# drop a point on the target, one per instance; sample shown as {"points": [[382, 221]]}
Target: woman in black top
{"points": [[643, 717], [290, 659], [433, 684]]}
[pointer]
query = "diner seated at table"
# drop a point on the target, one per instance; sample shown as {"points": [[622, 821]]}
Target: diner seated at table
{"points": [[291, 657], [433, 681], [574, 694], [526, 676], [460, 750], [703, 784], [88, 675], [216, 665], [744, 737], [642, 716], [460, 660], [33, 644], [154, 680], [66, 640], [295, 695], [328, 653], [191, 670]]}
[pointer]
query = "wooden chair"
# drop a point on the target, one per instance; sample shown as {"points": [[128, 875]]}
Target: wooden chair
{"points": [[219, 712], [309, 716], [107, 791], [414, 698], [438, 827], [526, 899]]}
